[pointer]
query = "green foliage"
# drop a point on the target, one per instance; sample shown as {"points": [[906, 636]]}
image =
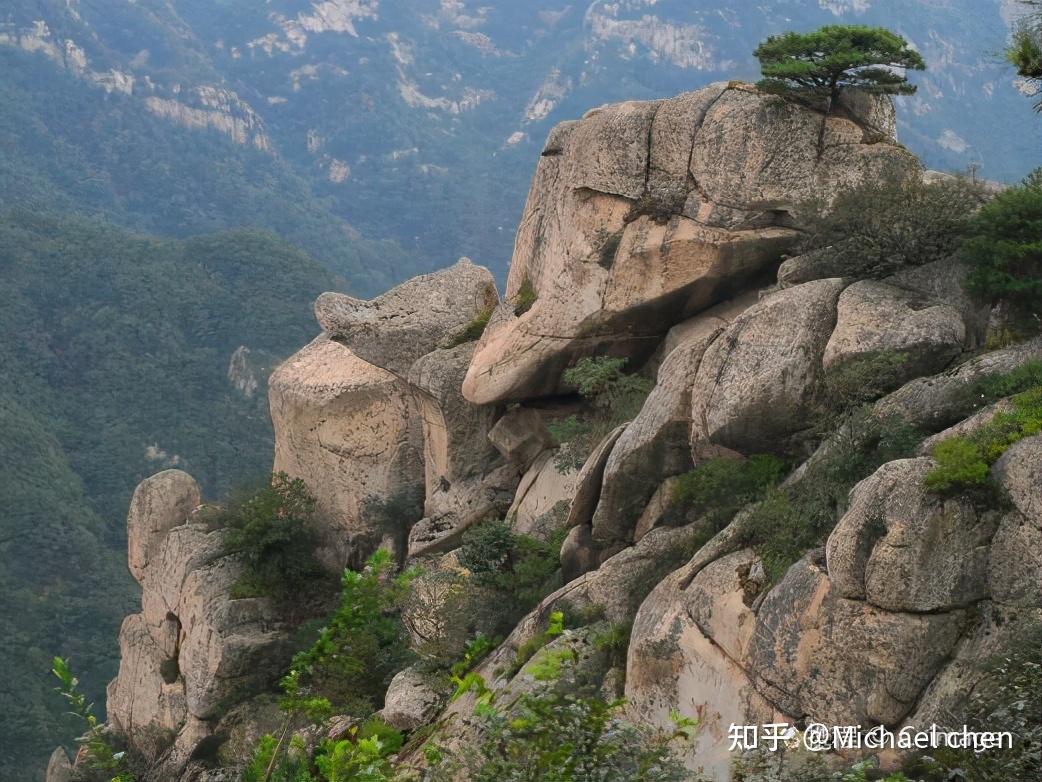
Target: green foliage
{"points": [[890, 222], [518, 570], [836, 57], [1025, 50], [718, 488], [615, 640], [472, 331], [102, 761], [1004, 247], [860, 380], [553, 736], [614, 398], [361, 647], [964, 461], [272, 529], [993, 387], [791, 520], [525, 652], [525, 297]]}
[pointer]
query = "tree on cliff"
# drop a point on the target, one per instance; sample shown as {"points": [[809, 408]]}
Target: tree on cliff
{"points": [[819, 65], [1025, 51]]}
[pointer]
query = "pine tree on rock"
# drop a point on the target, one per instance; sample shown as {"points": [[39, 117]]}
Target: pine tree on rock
{"points": [[819, 65]]}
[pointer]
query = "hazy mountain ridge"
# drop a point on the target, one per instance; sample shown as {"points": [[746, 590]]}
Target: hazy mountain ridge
{"points": [[437, 156]]}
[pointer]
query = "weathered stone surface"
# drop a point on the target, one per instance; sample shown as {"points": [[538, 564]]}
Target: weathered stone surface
{"points": [[934, 403], [874, 317], [410, 320], [759, 151], [455, 432], [840, 661], [349, 430], [59, 769], [673, 665], [706, 323], [159, 504], [578, 553], [193, 651], [945, 282], [621, 238], [140, 702], [411, 700], [757, 381], [967, 427], [654, 446], [997, 630], [521, 435], [590, 478], [1015, 567], [903, 548], [543, 498], [659, 510]]}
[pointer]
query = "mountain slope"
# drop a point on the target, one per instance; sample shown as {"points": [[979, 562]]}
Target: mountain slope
{"points": [[419, 121], [123, 354]]}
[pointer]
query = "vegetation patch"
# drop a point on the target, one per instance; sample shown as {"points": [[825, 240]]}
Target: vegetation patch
{"points": [[272, 530], [614, 397], [718, 488], [964, 462], [1004, 247], [472, 331], [525, 297]]}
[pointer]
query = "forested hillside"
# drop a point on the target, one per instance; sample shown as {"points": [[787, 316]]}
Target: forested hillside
{"points": [[114, 364]]}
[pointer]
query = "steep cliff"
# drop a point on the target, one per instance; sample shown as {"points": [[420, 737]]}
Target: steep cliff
{"points": [[841, 586]]}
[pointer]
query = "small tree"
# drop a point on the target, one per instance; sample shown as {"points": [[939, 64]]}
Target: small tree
{"points": [[821, 64], [1005, 247]]}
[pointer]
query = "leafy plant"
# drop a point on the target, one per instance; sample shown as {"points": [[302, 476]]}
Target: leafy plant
{"points": [[1025, 51], [1004, 247], [363, 644], [718, 488], [821, 64], [102, 760], [518, 570], [472, 331]]}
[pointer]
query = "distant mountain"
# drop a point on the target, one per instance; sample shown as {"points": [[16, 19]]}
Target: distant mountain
{"points": [[415, 121], [122, 355]]}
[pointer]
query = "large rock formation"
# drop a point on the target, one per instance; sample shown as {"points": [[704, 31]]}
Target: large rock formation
{"points": [[642, 214], [192, 651]]}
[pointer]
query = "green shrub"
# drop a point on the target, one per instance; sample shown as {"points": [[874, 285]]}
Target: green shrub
{"points": [[860, 380], [890, 222], [614, 398], [527, 650], [518, 570], [472, 331], [718, 488], [964, 461], [102, 760], [525, 297], [362, 646], [1004, 247], [550, 736], [794, 519], [272, 529]]}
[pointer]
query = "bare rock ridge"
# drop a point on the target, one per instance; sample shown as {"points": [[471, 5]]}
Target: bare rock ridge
{"points": [[642, 214], [653, 231]]}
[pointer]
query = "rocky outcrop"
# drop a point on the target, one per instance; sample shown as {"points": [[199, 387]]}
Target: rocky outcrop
{"points": [[411, 700], [409, 321], [642, 214], [192, 651], [758, 381], [875, 317], [349, 430]]}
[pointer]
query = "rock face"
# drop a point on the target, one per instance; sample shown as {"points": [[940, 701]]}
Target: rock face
{"points": [[410, 320], [192, 651], [758, 380], [349, 430], [642, 214]]}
